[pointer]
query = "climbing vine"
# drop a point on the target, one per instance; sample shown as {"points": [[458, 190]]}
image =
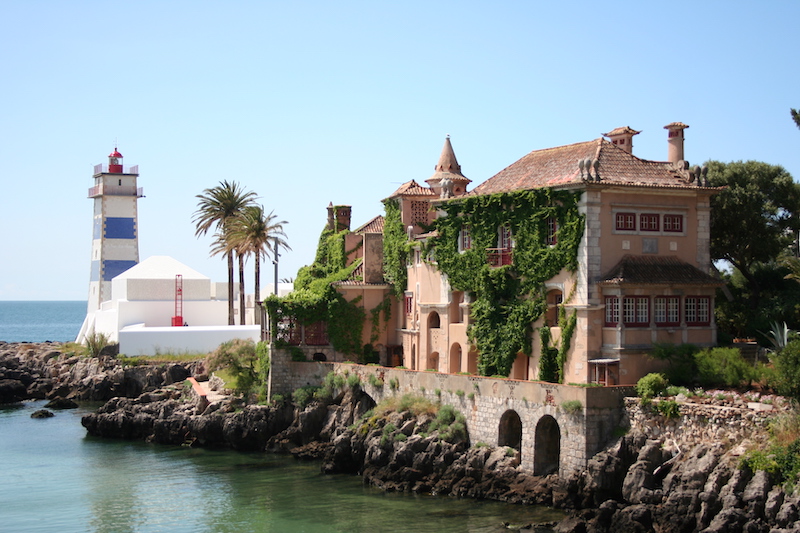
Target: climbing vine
{"points": [[396, 248], [508, 299], [315, 299]]}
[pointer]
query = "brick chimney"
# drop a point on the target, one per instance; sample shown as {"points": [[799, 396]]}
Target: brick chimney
{"points": [[338, 217], [622, 137], [675, 140]]}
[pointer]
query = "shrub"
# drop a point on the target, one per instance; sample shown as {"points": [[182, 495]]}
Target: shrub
{"points": [[394, 384], [241, 360], [722, 367], [353, 381], [460, 393], [651, 385], [95, 342], [786, 379], [302, 397], [669, 408], [572, 407], [673, 390], [277, 399], [375, 381], [680, 358], [297, 354]]}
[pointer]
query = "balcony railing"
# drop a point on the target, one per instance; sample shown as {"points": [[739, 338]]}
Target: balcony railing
{"points": [[101, 168], [116, 190], [497, 257]]}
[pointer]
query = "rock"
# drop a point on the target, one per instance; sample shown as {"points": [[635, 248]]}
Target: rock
{"points": [[42, 413], [61, 403], [12, 391]]}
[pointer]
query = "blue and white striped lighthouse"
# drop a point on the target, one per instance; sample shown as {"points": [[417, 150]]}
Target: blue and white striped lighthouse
{"points": [[115, 235]]}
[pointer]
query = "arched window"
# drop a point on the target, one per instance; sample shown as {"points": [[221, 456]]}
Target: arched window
{"points": [[433, 320]]}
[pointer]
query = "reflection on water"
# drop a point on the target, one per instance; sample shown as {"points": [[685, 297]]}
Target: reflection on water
{"points": [[61, 480]]}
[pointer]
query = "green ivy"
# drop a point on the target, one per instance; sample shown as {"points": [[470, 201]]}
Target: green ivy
{"points": [[507, 299], [396, 247]]}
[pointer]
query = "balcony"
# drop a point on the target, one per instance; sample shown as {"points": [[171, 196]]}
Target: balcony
{"points": [[115, 190], [498, 257]]}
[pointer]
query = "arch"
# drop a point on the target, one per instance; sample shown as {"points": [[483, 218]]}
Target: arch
{"points": [[554, 300], [454, 361], [319, 356], [546, 446], [434, 321], [433, 361], [472, 360], [509, 431]]}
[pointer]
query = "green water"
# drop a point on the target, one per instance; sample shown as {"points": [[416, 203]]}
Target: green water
{"points": [[57, 479]]}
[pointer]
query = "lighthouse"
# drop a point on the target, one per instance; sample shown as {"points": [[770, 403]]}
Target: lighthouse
{"points": [[115, 235]]}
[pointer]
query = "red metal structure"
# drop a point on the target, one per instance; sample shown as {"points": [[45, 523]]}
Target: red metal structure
{"points": [[177, 319]]}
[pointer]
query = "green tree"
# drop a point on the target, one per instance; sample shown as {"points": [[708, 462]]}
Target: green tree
{"points": [[258, 233], [795, 116], [754, 218], [215, 206], [787, 366]]}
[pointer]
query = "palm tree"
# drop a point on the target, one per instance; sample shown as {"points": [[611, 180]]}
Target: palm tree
{"points": [[257, 233], [215, 207]]}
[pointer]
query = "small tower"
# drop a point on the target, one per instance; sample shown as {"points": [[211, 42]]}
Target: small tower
{"points": [[622, 137], [115, 236], [448, 171]]}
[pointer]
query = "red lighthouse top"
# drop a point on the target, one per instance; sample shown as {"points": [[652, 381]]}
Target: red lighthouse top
{"points": [[115, 162]]}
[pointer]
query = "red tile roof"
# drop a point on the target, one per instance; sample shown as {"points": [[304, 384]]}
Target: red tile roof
{"points": [[656, 270], [554, 167], [412, 188], [373, 226]]}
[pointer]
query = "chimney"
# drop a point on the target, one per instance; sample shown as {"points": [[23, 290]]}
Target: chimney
{"points": [[338, 217], [622, 137], [675, 140]]}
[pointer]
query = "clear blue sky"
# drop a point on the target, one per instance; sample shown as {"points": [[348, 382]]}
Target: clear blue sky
{"points": [[307, 103]]}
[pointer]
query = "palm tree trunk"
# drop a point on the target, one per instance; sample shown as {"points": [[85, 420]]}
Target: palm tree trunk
{"points": [[257, 312], [230, 289], [242, 310]]}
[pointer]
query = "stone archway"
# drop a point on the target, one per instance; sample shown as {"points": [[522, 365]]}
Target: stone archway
{"points": [[433, 362], [454, 363], [546, 446], [509, 432]]}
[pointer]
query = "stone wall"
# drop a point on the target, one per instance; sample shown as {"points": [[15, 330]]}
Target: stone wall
{"points": [[703, 422], [583, 430]]}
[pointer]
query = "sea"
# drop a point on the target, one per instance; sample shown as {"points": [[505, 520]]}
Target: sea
{"points": [[56, 478]]}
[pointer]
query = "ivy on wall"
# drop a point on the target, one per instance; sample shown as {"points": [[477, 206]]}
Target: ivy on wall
{"points": [[314, 298], [508, 299], [396, 248]]}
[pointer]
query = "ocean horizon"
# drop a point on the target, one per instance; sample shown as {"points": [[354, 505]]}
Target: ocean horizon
{"points": [[41, 320]]}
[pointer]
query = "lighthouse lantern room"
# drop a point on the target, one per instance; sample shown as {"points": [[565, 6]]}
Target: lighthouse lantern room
{"points": [[115, 238]]}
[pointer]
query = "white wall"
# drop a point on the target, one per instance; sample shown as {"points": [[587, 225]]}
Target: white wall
{"points": [[139, 340]]}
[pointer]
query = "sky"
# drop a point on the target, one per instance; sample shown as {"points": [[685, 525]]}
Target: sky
{"points": [[307, 103]]}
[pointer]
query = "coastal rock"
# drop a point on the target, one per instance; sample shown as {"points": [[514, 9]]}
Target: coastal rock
{"points": [[42, 413], [12, 391]]}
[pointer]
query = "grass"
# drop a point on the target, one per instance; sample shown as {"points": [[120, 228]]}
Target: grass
{"points": [[139, 360]]}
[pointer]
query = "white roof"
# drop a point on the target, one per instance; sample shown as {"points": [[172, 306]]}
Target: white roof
{"points": [[161, 267]]}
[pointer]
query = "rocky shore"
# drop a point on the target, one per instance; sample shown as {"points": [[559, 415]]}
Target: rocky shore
{"points": [[678, 476]]}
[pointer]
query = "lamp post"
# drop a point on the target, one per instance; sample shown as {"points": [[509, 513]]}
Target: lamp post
{"points": [[275, 262]]}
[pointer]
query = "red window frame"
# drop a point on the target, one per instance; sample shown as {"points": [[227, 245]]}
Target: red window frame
{"points": [[671, 310], [505, 239], [697, 310], [649, 222], [673, 223], [612, 310], [635, 311], [625, 221], [409, 303], [552, 231]]}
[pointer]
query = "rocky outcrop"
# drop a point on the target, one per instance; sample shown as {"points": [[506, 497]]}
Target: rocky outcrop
{"points": [[44, 371]]}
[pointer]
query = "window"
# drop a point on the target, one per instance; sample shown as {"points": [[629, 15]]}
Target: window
{"points": [[673, 223], [505, 241], [409, 302], [697, 310], [636, 311], [666, 310], [648, 222], [625, 222], [465, 239], [612, 310], [552, 230]]}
